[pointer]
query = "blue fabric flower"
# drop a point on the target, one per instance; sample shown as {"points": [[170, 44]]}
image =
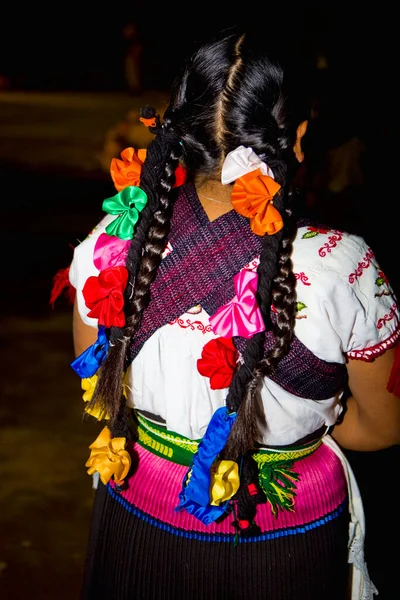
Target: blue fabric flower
{"points": [[88, 363], [195, 494]]}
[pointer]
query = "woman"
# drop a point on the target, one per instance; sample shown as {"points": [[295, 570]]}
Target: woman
{"points": [[230, 350]]}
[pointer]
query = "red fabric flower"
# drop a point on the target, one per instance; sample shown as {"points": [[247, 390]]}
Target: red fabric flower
{"points": [[104, 295], [218, 362], [180, 176]]}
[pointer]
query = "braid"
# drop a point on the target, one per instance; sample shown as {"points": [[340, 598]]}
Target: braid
{"points": [[144, 257]]}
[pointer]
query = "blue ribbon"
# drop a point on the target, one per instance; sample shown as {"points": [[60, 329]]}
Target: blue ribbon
{"points": [[88, 363], [195, 494]]}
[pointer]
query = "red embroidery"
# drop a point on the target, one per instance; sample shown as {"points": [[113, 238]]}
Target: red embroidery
{"points": [[386, 318], [302, 277], [365, 264], [331, 243], [318, 229], [192, 324], [369, 354]]}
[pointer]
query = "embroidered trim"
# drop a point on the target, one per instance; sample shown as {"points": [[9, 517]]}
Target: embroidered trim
{"points": [[184, 324], [302, 277], [331, 243], [381, 322], [370, 353], [361, 266], [267, 455]]}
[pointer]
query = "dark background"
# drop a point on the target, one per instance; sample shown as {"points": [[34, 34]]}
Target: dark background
{"points": [[57, 50]]}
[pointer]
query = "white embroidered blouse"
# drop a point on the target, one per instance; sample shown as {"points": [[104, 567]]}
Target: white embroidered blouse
{"points": [[346, 311]]}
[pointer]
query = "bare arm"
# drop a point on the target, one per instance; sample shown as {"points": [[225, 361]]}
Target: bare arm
{"points": [[372, 419], [83, 335]]}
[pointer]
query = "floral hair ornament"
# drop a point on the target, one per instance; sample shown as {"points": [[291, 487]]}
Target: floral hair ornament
{"points": [[253, 191], [109, 458], [127, 171], [88, 363], [207, 477], [104, 296], [218, 361], [150, 118], [110, 251], [89, 385], [127, 204], [241, 316]]}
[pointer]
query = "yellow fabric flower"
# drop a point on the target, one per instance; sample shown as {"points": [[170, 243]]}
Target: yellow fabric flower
{"points": [[224, 481], [109, 458], [89, 384]]}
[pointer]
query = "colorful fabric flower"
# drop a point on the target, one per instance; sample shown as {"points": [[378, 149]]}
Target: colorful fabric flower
{"points": [[224, 481], [127, 204], [110, 251], [218, 362], [195, 494], [89, 385], [104, 296], [109, 458], [180, 176], [126, 172], [88, 363], [242, 315], [251, 197]]}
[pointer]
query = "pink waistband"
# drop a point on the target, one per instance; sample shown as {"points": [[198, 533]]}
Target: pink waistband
{"points": [[154, 488]]}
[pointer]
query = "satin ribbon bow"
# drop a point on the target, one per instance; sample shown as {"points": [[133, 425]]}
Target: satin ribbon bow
{"points": [[241, 316], [251, 197], [241, 161], [127, 204], [89, 385], [104, 296], [195, 494], [127, 171], [88, 363], [224, 481], [110, 251], [109, 458], [218, 361]]}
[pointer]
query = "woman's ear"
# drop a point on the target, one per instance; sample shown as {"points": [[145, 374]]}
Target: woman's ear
{"points": [[302, 128]]}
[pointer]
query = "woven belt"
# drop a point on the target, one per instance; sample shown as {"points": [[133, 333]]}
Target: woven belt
{"points": [[180, 450], [276, 475]]}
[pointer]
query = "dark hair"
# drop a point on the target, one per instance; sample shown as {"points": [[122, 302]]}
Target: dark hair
{"points": [[230, 93]]}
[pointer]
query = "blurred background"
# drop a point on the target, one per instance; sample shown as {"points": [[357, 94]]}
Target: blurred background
{"points": [[72, 81]]}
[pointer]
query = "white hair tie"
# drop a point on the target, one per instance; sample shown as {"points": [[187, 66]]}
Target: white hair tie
{"points": [[241, 161]]}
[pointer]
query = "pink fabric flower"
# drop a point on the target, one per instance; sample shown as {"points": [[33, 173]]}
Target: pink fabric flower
{"points": [[242, 315], [110, 251]]}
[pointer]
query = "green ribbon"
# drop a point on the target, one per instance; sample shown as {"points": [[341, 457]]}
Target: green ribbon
{"points": [[127, 204]]}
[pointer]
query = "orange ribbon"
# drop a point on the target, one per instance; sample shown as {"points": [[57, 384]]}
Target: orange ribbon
{"points": [[251, 197], [127, 171], [148, 122], [109, 458]]}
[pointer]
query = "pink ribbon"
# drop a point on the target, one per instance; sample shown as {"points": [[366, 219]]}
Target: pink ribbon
{"points": [[110, 251], [242, 315]]}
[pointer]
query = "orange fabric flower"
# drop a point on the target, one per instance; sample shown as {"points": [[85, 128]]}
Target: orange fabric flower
{"points": [[128, 170], [251, 197]]}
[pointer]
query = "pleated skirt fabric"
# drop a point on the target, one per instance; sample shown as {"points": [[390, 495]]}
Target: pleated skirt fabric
{"points": [[141, 548]]}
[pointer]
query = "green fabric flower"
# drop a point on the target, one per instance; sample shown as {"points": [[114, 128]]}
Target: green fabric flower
{"points": [[127, 204]]}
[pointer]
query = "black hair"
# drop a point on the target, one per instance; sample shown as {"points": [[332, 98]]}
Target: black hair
{"points": [[231, 92]]}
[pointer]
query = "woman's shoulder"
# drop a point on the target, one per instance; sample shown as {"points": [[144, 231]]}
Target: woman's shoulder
{"points": [[331, 251]]}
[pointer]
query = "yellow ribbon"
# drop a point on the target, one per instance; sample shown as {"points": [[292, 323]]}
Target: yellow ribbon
{"points": [[89, 384], [109, 458], [224, 481]]}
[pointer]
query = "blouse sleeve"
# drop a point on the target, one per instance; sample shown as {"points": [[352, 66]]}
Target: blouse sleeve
{"points": [[347, 307]]}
